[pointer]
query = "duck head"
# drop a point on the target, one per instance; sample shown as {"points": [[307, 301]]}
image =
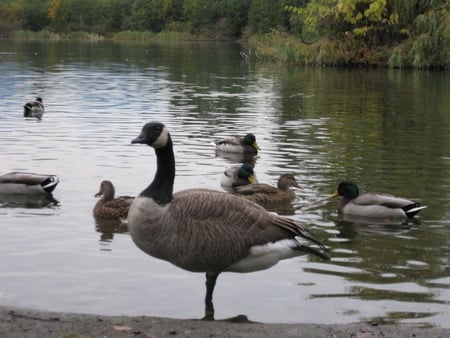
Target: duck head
{"points": [[347, 190], [250, 140], [246, 172]]}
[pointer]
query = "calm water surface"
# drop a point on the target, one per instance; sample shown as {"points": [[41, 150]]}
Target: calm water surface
{"points": [[387, 130]]}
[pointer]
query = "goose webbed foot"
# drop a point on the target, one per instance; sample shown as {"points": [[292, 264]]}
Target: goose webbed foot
{"points": [[210, 284]]}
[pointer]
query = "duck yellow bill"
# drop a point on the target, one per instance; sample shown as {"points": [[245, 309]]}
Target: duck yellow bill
{"points": [[252, 179], [255, 145], [336, 194]]}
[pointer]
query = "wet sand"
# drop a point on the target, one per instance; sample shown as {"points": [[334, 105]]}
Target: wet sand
{"points": [[23, 323]]}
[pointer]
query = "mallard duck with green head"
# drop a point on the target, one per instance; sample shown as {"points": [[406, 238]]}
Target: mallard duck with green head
{"points": [[238, 175], [238, 144], [373, 205]]}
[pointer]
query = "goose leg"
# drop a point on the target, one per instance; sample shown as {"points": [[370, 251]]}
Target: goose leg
{"points": [[210, 284]]}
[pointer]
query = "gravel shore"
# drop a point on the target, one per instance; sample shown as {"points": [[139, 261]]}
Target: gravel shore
{"points": [[23, 323]]}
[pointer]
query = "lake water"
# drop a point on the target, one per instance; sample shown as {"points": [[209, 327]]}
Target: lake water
{"points": [[388, 130]]}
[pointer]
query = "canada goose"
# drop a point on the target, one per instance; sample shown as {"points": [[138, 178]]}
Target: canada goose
{"points": [[373, 205], [237, 144], [203, 230], [34, 108], [109, 206], [266, 194], [238, 175], [27, 183]]}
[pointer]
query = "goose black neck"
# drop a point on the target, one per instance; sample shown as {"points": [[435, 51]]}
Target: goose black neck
{"points": [[161, 188]]}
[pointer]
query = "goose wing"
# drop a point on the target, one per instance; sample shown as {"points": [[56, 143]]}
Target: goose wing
{"points": [[227, 225]]}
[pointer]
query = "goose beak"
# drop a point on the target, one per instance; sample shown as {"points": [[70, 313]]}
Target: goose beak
{"points": [[252, 179], [336, 194], [255, 145], [139, 139]]}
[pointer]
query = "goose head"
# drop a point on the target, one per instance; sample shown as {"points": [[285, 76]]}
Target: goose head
{"points": [[154, 134]]}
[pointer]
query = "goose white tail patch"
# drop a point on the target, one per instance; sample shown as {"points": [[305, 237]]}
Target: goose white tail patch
{"points": [[262, 257]]}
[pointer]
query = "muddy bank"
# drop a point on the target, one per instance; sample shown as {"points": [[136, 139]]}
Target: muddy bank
{"points": [[15, 322]]}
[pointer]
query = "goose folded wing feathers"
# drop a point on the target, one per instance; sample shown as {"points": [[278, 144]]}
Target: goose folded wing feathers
{"points": [[240, 217]]}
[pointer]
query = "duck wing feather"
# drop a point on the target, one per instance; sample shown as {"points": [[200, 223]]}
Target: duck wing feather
{"points": [[231, 140], [381, 199], [260, 188]]}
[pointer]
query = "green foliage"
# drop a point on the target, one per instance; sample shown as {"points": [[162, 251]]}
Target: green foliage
{"points": [[147, 15], [399, 33], [265, 15]]}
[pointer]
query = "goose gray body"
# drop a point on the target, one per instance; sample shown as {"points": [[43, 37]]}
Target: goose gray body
{"points": [[372, 204], [204, 230], [109, 206], [34, 108], [27, 183]]}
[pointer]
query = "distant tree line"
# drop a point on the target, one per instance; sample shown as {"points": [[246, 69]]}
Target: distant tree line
{"points": [[365, 25]]}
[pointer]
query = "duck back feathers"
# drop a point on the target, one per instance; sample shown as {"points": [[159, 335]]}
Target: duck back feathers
{"points": [[27, 183], [266, 194]]}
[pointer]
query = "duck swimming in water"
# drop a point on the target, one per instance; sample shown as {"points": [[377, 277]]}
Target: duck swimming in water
{"points": [[266, 194], [238, 175], [34, 108], [27, 183], [237, 144], [373, 205], [110, 206]]}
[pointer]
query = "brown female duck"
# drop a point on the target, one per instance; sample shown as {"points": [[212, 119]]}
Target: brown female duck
{"points": [[266, 194], [109, 206]]}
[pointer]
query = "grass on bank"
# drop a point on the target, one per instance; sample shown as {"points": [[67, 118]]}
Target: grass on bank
{"points": [[414, 53], [420, 53], [88, 36]]}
